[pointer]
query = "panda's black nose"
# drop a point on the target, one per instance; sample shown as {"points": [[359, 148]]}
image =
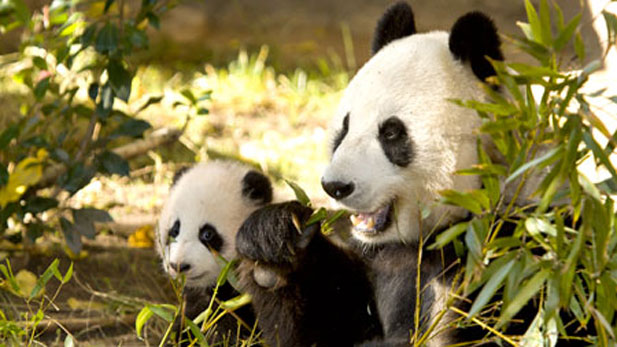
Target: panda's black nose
{"points": [[338, 190], [182, 267]]}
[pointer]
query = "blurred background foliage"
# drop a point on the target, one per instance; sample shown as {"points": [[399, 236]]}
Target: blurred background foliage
{"points": [[104, 100]]}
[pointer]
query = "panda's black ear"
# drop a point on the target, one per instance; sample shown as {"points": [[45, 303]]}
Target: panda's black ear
{"points": [[473, 38], [395, 23], [257, 188], [179, 174]]}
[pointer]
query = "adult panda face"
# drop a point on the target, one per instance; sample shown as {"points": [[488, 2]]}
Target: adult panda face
{"points": [[200, 219], [397, 140]]}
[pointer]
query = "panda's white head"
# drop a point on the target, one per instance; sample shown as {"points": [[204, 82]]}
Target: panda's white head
{"points": [[205, 208], [397, 139]]}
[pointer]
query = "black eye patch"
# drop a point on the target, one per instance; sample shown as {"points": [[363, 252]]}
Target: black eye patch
{"points": [[341, 133], [395, 142], [174, 231], [209, 236]]}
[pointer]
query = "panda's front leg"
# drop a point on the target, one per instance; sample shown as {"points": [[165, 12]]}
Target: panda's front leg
{"points": [[306, 291]]}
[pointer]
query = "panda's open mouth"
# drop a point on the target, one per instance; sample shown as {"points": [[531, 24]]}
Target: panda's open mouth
{"points": [[373, 222]]}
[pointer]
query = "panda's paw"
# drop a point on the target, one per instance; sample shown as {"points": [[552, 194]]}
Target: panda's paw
{"points": [[274, 235]]}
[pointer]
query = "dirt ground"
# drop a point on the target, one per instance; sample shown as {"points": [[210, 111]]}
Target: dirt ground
{"points": [[99, 304]]}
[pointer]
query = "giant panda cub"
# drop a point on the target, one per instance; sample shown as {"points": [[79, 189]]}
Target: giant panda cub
{"points": [[397, 140], [206, 205]]}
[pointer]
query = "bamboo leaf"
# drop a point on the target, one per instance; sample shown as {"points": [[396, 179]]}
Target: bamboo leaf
{"points": [[566, 34], [529, 290], [488, 291], [445, 237], [142, 318], [534, 23], [541, 161], [299, 192], [599, 153]]}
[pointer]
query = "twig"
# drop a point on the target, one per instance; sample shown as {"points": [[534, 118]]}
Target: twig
{"points": [[484, 326], [158, 138], [74, 324]]}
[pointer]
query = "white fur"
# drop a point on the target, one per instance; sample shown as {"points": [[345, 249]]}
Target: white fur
{"points": [[411, 78], [207, 193]]}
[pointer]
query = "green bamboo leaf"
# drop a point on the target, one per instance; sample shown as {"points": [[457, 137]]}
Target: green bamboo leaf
{"points": [[461, 199], [490, 271], [188, 94], [611, 25], [566, 34], [560, 20], [534, 23], [300, 194], [142, 318], [45, 277], [545, 22], [534, 71], [569, 268], [488, 291], [317, 216], [539, 162], [201, 339], [496, 109], [68, 341], [237, 302], [69, 274], [163, 311], [222, 278], [598, 153], [451, 233], [529, 290], [579, 46]]}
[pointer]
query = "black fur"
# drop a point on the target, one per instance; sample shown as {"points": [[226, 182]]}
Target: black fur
{"points": [[322, 296], [395, 142], [473, 38], [179, 174], [340, 135], [174, 231], [257, 187], [397, 22], [210, 237]]}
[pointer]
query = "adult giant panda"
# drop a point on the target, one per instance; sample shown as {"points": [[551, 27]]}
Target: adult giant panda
{"points": [[397, 141], [206, 205]]}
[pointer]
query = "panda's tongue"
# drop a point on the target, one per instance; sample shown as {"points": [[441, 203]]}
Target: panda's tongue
{"points": [[371, 222]]}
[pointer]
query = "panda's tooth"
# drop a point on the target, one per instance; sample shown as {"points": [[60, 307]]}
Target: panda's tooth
{"points": [[296, 223], [370, 223], [354, 220]]}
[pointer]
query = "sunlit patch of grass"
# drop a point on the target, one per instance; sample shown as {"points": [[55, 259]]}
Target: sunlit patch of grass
{"points": [[273, 119]]}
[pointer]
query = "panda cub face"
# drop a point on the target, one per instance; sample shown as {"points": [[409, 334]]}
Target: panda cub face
{"points": [[205, 208], [397, 140]]}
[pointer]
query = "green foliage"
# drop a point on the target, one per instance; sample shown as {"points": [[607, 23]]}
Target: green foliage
{"points": [[199, 330], [561, 250], [22, 330], [75, 68]]}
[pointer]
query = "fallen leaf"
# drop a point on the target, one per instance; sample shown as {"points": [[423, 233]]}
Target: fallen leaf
{"points": [[143, 237], [26, 281]]}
